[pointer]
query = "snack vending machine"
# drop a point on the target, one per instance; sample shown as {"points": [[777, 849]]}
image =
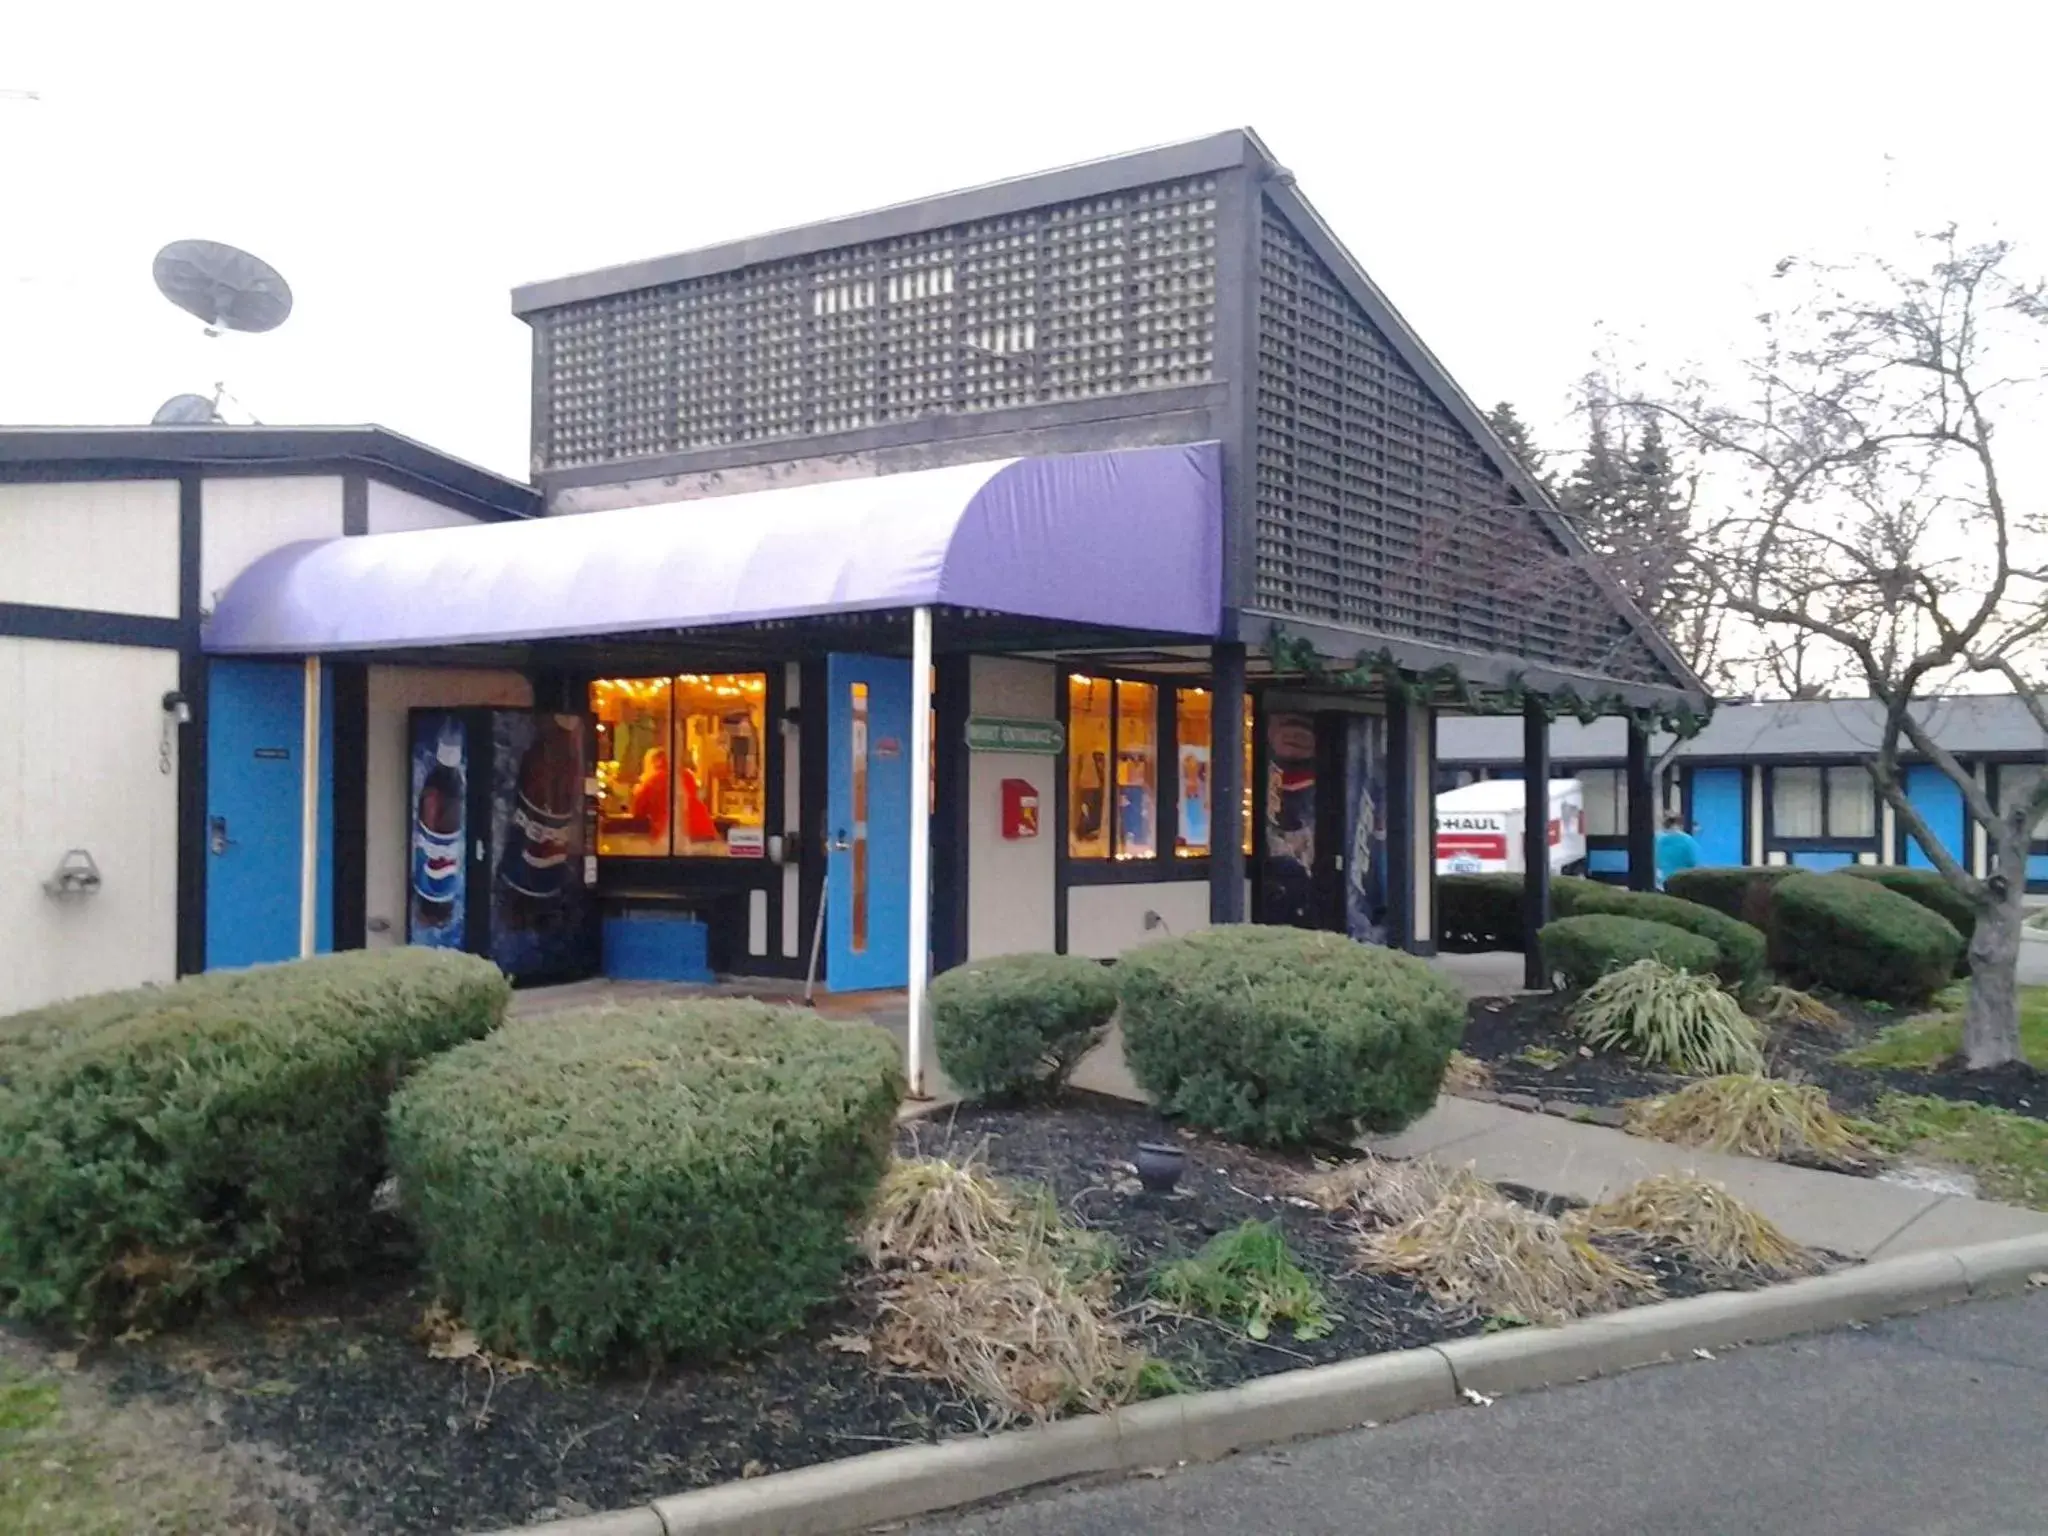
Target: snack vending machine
{"points": [[500, 834]]}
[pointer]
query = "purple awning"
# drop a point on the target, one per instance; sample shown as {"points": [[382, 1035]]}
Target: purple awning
{"points": [[1130, 539]]}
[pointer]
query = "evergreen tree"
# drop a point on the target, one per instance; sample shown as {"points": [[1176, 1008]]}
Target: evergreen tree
{"points": [[1512, 430]]}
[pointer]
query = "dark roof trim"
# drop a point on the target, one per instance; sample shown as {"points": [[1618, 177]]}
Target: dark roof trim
{"points": [[1298, 211], [411, 464], [1095, 178]]}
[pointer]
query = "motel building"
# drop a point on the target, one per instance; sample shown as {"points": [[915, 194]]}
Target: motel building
{"points": [[1052, 565]]}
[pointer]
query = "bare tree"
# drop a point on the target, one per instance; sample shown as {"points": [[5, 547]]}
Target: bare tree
{"points": [[1880, 535]]}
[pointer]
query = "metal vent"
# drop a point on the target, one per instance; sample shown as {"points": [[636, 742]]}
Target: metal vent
{"points": [[1105, 296], [1377, 510]]}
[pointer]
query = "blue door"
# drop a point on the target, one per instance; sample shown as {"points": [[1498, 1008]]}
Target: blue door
{"points": [[254, 732], [867, 887], [1717, 816], [1940, 804]]}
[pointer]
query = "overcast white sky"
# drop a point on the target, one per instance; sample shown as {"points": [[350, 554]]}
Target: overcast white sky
{"points": [[1516, 176]]}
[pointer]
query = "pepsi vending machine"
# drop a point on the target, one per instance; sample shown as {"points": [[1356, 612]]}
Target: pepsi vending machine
{"points": [[499, 837]]}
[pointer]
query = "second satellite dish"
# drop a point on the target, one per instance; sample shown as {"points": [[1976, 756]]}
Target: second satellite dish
{"points": [[226, 288], [185, 411]]}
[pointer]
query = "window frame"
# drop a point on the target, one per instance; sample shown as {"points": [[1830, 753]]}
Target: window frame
{"points": [[615, 866], [1827, 839], [1163, 865]]}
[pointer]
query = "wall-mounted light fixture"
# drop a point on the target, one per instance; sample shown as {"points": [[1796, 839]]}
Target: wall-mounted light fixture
{"points": [[178, 707], [77, 875]]}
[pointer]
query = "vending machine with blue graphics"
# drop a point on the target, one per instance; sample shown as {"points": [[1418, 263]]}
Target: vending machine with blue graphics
{"points": [[500, 838]]}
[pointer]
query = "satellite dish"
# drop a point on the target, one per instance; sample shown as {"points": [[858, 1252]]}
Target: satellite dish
{"points": [[185, 411], [226, 288]]}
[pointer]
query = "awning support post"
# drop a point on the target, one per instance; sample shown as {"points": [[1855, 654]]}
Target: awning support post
{"points": [[1642, 811], [309, 814], [920, 840]]}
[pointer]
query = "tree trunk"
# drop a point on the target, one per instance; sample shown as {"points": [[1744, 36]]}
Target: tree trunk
{"points": [[1991, 1021]]}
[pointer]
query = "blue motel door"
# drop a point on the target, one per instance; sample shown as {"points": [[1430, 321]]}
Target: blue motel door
{"points": [[868, 807], [255, 719]]}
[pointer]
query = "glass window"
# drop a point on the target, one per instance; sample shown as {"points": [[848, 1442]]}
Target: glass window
{"points": [[1249, 823], [1137, 771], [1852, 803], [1088, 755], [1606, 801], [1193, 711], [1796, 803], [721, 734], [633, 737]]}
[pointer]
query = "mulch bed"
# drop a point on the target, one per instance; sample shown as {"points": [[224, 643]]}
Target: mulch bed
{"points": [[340, 1387], [1500, 1031]]}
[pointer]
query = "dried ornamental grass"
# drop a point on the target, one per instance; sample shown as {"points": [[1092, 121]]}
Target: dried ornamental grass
{"points": [[1467, 1074], [989, 1291], [1669, 1018], [1394, 1191], [1487, 1254], [1790, 1008], [1701, 1217], [1759, 1116]]}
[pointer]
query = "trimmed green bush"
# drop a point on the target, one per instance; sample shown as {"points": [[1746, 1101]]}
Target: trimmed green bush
{"points": [[1857, 937], [1742, 948], [1583, 949], [169, 1147], [657, 1181], [1477, 913], [1276, 1036], [1015, 1024], [1741, 891], [1930, 888]]}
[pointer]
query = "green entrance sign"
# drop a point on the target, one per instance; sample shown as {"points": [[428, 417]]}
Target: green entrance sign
{"points": [[988, 734]]}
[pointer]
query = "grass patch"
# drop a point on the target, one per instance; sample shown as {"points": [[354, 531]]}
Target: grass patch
{"points": [[987, 1288], [1700, 1216], [1669, 1018], [50, 1476], [2007, 1152], [1480, 1252], [1930, 1039], [1247, 1278], [1759, 1116]]}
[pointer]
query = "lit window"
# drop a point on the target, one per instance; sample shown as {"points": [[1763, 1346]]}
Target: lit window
{"points": [[680, 765], [1193, 711], [1112, 769], [633, 747], [1137, 771], [1089, 731]]}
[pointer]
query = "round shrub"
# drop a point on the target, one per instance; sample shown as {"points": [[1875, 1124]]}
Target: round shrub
{"points": [[1478, 913], [1276, 1036], [169, 1147], [1742, 948], [667, 1180], [1583, 949], [1859, 938], [1930, 888], [1741, 891], [1013, 1024]]}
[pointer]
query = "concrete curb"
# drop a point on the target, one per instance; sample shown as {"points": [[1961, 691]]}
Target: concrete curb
{"points": [[900, 1484]]}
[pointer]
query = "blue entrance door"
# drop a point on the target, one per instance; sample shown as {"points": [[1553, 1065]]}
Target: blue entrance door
{"points": [[1716, 816], [1940, 804], [254, 734], [867, 890]]}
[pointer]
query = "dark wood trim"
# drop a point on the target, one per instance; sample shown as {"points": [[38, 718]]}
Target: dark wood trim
{"points": [[813, 762], [192, 682], [1226, 785], [1427, 811], [952, 821], [1643, 812], [1062, 776], [1262, 772], [1166, 773], [1402, 894], [355, 505], [1136, 871], [91, 626], [349, 683], [1535, 840]]}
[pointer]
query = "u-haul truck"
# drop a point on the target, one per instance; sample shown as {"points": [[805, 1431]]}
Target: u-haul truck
{"points": [[1479, 828]]}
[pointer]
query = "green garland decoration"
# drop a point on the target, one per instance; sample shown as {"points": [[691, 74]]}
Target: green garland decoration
{"points": [[1446, 686]]}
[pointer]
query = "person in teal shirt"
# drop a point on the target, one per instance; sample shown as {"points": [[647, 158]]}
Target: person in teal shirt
{"points": [[1676, 850]]}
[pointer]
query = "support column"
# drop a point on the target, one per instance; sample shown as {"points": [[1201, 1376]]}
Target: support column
{"points": [[1411, 826], [1535, 840], [309, 813], [950, 873], [1642, 811], [1226, 785], [920, 841]]}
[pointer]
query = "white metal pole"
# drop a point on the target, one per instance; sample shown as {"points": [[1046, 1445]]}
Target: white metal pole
{"points": [[920, 837], [309, 814]]}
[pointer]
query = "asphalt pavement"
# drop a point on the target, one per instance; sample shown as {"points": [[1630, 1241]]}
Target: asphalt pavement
{"points": [[1932, 1425]]}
